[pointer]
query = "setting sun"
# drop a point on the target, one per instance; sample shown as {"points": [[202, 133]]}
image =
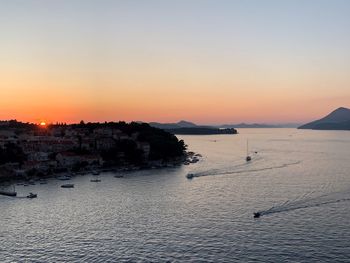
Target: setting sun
{"points": [[43, 124]]}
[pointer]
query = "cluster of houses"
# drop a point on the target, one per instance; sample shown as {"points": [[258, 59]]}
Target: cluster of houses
{"points": [[55, 147]]}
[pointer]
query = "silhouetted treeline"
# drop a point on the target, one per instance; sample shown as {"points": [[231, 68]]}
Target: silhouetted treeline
{"points": [[14, 124], [163, 145], [131, 153]]}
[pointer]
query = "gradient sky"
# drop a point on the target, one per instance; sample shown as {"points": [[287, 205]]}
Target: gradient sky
{"points": [[204, 61]]}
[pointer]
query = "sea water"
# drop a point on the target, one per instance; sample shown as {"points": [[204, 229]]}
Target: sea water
{"points": [[299, 180]]}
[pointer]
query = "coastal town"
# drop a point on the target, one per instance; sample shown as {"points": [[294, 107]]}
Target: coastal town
{"points": [[42, 150]]}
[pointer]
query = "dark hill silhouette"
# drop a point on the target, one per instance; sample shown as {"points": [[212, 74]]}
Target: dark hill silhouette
{"points": [[185, 127], [187, 124], [336, 120], [201, 131], [180, 124]]}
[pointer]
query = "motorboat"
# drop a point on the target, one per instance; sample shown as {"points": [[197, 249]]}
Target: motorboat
{"points": [[95, 172], [31, 195], [119, 176], [190, 176], [257, 214], [67, 186]]}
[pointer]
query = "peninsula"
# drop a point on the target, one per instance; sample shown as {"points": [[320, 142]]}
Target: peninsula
{"points": [[189, 128], [28, 150]]}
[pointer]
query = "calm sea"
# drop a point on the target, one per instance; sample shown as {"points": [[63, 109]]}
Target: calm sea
{"points": [[299, 181]]}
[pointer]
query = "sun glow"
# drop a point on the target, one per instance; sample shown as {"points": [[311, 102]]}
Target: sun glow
{"points": [[43, 124]]}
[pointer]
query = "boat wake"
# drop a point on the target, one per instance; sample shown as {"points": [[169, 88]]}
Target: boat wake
{"points": [[302, 203], [245, 170]]}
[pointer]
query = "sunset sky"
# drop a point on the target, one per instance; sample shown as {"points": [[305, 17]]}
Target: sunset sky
{"points": [[204, 61]]}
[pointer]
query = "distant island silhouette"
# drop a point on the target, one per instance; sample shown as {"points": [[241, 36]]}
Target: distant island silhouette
{"points": [[338, 119], [189, 128], [201, 131], [186, 127]]}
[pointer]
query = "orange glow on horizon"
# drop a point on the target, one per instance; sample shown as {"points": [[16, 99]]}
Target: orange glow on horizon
{"points": [[229, 65]]}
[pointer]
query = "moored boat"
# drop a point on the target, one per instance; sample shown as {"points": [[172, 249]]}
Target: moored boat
{"points": [[67, 186], [8, 192], [95, 180]]}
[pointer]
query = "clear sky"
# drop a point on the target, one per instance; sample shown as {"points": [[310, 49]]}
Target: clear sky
{"points": [[205, 61]]}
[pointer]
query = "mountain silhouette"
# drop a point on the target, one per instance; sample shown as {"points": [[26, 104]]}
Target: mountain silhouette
{"points": [[180, 124], [338, 119]]}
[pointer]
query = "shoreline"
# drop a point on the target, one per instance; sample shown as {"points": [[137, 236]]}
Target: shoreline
{"points": [[187, 159]]}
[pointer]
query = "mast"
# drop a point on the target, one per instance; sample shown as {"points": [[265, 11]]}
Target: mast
{"points": [[247, 147]]}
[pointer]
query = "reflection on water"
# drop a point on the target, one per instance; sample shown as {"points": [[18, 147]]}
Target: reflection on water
{"points": [[298, 180]]}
